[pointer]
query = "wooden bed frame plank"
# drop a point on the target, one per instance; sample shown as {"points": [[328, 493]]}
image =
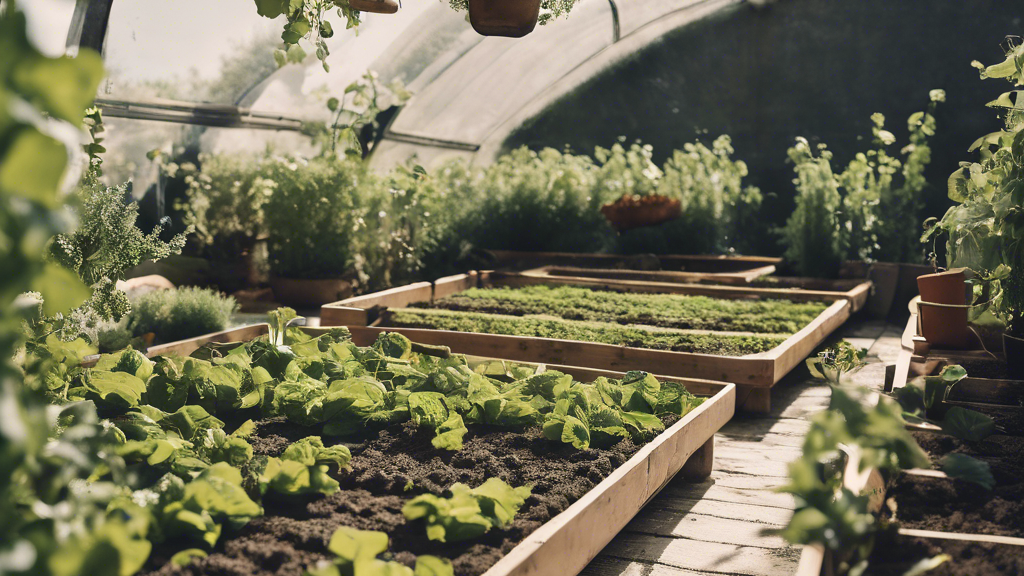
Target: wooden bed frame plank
{"points": [[725, 263], [732, 278]]}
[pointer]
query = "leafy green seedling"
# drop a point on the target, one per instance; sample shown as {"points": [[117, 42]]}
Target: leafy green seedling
{"points": [[832, 363], [470, 512]]}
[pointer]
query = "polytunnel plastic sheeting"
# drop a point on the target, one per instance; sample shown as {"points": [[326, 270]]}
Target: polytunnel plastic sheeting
{"points": [[497, 76]]}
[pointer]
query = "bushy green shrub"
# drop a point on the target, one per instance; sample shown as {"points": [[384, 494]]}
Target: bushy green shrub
{"points": [[225, 203], [179, 314], [812, 233], [882, 194], [312, 214], [538, 201], [716, 207]]}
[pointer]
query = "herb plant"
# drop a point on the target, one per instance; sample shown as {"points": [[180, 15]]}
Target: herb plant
{"points": [[312, 216], [812, 234], [983, 231], [180, 313]]}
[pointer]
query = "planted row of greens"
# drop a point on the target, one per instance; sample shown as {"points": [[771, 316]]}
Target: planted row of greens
{"points": [[172, 453], [598, 332], [664, 310]]}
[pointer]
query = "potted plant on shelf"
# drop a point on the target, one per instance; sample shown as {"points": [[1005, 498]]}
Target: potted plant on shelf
{"points": [[311, 217], [985, 230]]}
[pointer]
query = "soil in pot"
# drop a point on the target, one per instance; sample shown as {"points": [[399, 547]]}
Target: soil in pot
{"points": [[1013, 349], [947, 505], [387, 469]]}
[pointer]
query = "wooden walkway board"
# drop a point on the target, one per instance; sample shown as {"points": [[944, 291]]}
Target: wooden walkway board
{"points": [[722, 526]]}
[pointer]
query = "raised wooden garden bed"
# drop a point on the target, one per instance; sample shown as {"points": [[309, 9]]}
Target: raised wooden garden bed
{"points": [[567, 542], [731, 285], [754, 374], [927, 499]]}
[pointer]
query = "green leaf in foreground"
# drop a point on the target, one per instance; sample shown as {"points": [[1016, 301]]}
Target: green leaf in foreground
{"points": [[357, 552], [303, 468], [469, 513], [968, 425], [963, 467], [450, 434], [927, 565]]}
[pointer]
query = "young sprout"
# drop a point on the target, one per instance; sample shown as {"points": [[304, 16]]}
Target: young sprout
{"points": [[833, 362]]}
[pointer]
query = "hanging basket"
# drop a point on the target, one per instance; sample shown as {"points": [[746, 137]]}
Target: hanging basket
{"points": [[511, 18], [375, 6], [632, 211]]}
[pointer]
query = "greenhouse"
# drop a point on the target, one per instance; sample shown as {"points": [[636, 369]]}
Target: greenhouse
{"points": [[511, 288]]}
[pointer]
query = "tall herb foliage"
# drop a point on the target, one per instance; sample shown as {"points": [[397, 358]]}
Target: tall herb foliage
{"points": [[813, 232], [984, 231]]}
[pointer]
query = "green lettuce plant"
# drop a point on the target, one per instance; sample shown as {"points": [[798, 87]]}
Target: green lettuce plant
{"points": [[470, 512], [356, 553]]}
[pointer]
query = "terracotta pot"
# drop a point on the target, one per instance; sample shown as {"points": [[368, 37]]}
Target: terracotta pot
{"points": [[308, 293], [376, 6], [884, 278], [1013, 348], [636, 211], [944, 326], [512, 18]]}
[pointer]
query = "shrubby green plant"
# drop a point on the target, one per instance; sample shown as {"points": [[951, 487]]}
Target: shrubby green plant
{"points": [[813, 234], [180, 313], [543, 201], [224, 203], [312, 215], [877, 205], [716, 206], [984, 230]]}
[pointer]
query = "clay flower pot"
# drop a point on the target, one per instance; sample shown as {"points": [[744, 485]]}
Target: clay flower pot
{"points": [[631, 211], [512, 18], [376, 6], [309, 293], [944, 326], [1013, 348]]}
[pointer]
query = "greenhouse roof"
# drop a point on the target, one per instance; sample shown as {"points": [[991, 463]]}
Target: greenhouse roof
{"points": [[470, 91]]}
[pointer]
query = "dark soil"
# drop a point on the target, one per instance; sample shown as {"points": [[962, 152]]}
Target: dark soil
{"points": [[956, 506], [893, 558], [387, 469], [985, 369]]}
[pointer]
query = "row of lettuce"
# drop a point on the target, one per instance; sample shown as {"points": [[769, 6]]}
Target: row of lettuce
{"points": [[155, 451]]}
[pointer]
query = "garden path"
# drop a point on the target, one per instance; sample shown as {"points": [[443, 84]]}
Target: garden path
{"points": [[715, 527]]}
